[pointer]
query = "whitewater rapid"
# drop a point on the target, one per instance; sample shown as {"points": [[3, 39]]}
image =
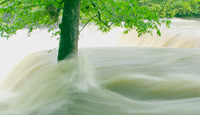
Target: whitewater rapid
{"points": [[129, 78], [182, 34], [114, 81]]}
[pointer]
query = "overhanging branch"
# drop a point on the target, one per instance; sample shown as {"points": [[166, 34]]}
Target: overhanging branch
{"points": [[106, 7], [87, 22], [4, 1], [99, 14], [85, 25]]}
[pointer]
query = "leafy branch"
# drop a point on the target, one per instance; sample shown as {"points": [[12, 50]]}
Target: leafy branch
{"points": [[99, 14], [105, 7], [85, 25], [4, 1]]}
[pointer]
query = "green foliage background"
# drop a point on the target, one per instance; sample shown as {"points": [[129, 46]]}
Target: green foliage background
{"points": [[141, 15], [174, 8]]}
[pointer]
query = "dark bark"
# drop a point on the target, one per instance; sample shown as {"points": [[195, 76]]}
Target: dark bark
{"points": [[69, 29]]}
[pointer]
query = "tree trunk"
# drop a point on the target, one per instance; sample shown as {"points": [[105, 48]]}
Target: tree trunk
{"points": [[69, 29]]}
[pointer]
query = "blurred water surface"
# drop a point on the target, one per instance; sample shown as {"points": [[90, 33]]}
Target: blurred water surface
{"points": [[133, 77]]}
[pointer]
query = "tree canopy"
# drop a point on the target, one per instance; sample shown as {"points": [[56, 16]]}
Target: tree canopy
{"points": [[141, 15], [19, 14]]}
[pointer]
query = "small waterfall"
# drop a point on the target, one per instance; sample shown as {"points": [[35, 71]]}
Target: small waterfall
{"points": [[182, 34]]}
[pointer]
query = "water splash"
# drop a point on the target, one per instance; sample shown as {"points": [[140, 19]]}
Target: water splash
{"points": [[140, 81], [44, 87]]}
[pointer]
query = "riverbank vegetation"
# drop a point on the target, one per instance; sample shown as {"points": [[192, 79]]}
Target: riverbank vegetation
{"points": [[173, 8]]}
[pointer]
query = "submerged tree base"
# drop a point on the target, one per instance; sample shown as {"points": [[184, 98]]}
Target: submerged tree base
{"points": [[69, 29], [149, 81]]}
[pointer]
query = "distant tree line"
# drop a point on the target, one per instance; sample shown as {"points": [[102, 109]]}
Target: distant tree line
{"points": [[174, 8]]}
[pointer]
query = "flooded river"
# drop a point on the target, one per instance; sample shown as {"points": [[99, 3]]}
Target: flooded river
{"points": [[136, 76]]}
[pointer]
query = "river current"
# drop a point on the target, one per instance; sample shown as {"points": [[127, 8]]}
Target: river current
{"points": [[136, 76]]}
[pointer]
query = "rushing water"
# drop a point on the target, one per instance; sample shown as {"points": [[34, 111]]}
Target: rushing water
{"points": [[183, 34], [111, 80]]}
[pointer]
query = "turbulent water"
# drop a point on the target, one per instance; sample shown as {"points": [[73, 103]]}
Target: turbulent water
{"points": [[110, 80], [182, 34]]}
